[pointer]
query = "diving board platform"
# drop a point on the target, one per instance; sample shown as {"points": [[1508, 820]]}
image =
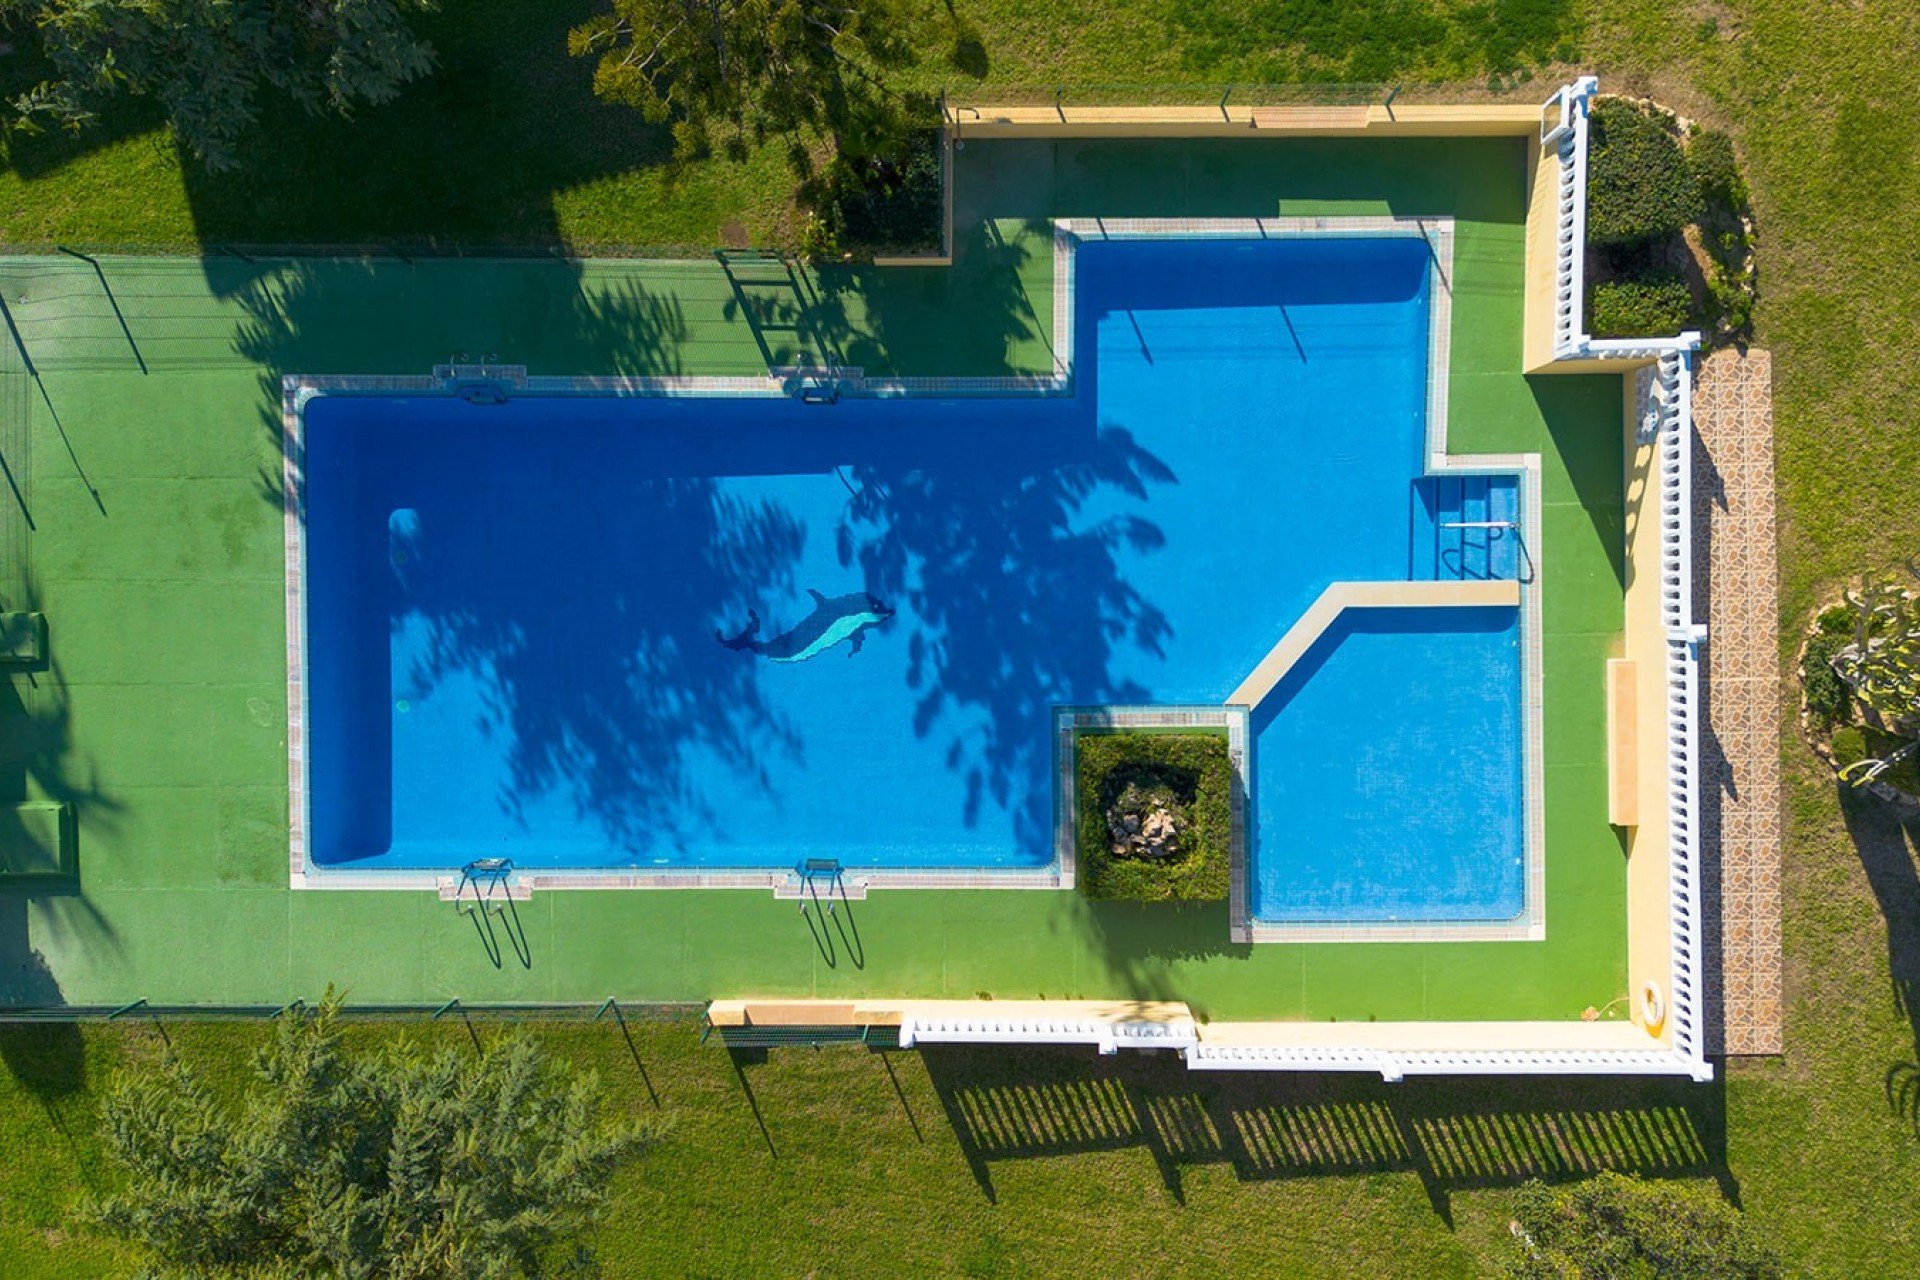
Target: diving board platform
{"points": [[1341, 596]]}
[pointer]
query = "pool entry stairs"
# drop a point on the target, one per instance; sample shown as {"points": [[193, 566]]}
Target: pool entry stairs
{"points": [[1465, 528]]}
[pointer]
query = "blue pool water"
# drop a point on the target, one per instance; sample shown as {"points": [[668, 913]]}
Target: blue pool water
{"points": [[1387, 773], [529, 624]]}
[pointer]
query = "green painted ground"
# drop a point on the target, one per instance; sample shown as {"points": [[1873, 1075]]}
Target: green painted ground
{"points": [[156, 550]]}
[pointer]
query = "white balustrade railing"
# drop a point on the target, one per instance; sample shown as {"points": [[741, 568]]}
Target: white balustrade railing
{"points": [[1563, 127], [1670, 390], [1397, 1064], [1105, 1034]]}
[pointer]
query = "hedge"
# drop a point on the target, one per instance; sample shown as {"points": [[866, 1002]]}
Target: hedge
{"points": [[891, 202], [1828, 698], [1196, 768], [1716, 171], [1640, 187], [1656, 304]]}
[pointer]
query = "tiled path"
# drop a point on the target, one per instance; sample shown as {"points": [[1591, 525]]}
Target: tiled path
{"points": [[1736, 564]]}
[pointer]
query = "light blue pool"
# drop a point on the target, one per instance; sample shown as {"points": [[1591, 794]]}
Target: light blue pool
{"points": [[1387, 773], [733, 632]]}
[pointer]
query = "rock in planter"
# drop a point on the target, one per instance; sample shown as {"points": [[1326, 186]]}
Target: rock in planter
{"points": [[1143, 826]]}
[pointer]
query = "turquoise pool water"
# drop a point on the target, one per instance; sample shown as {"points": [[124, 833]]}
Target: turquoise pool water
{"points": [[728, 632]]}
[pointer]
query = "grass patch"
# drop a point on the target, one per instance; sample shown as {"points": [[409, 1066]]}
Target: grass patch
{"points": [[1126, 783], [1004, 1148]]}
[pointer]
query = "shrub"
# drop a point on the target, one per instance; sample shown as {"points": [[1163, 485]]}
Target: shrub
{"points": [[891, 200], [1639, 186], [1612, 1225], [1882, 664], [1849, 746], [411, 1162], [1189, 770], [1655, 304], [1716, 171], [1828, 699]]}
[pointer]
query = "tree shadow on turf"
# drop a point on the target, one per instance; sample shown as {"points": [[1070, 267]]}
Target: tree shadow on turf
{"points": [[1887, 851], [476, 154], [1008, 1104], [38, 761]]}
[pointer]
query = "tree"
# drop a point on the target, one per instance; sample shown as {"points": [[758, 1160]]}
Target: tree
{"points": [[403, 1163], [1612, 1227], [731, 73], [207, 62]]}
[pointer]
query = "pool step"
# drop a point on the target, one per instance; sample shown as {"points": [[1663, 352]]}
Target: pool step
{"points": [[453, 889], [1464, 528]]}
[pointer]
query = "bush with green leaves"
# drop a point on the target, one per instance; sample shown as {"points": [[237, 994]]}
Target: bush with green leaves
{"points": [[1849, 746], [408, 1162], [208, 63], [1640, 188], [1828, 699], [891, 201], [1716, 171], [730, 74], [1187, 773], [1613, 1226], [1654, 304]]}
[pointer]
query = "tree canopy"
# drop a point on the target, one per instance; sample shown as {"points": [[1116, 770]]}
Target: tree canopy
{"points": [[405, 1163], [732, 73], [208, 63], [1614, 1227]]}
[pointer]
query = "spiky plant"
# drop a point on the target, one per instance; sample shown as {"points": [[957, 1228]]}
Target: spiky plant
{"points": [[404, 1163], [1882, 664]]}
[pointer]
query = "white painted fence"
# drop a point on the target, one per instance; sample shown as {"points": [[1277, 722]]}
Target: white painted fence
{"points": [[1563, 127], [1671, 390], [1106, 1034]]}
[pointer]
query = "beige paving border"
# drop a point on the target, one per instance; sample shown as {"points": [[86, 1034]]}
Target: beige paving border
{"points": [[1736, 579], [1341, 596]]}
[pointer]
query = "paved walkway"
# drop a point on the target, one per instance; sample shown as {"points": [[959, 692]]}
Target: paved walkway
{"points": [[1737, 564]]}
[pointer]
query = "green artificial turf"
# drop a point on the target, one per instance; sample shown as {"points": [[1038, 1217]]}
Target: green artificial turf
{"points": [[158, 554], [1819, 1147]]}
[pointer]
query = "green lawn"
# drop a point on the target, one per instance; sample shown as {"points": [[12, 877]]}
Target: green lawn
{"points": [[958, 1161], [1814, 1145]]}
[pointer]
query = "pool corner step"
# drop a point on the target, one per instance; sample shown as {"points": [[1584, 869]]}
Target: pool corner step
{"points": [[1341, 596]]}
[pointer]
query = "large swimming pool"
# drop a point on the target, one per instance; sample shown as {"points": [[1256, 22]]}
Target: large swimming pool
{"points": [[719, 632]]}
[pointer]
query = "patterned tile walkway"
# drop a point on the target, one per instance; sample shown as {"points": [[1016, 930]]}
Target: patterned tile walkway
{"points": [[1736, 566]]}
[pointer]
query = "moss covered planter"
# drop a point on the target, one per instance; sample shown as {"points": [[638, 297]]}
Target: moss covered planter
{"points": [[1155, 815]]}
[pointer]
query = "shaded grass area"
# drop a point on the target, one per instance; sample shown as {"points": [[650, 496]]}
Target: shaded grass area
{"points": [[834, 1162], [504, 146]]}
